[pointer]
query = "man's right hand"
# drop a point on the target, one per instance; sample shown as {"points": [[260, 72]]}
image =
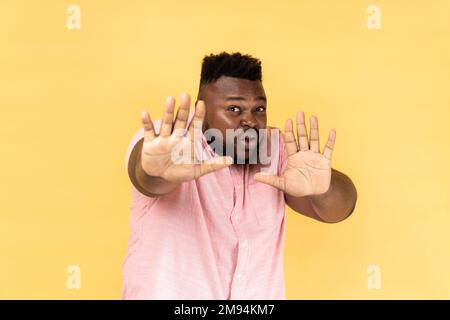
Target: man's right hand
{"points": [[156, 155]]}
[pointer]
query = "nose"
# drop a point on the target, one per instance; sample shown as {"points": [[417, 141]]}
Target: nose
{"points": [[248, 120]]}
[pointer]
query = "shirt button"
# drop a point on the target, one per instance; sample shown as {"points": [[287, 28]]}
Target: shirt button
{"points": [[238, 186], [236, 217], [244, 244], [239, 276]]}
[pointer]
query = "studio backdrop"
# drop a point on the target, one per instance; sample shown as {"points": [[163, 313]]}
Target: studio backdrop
{"points": [[74, 76]]}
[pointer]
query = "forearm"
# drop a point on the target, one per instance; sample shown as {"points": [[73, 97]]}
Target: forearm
{"points": [[338, 202]]}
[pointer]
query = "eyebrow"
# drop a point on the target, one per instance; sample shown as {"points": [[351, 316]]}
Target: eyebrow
{"points": [[240, 98]]}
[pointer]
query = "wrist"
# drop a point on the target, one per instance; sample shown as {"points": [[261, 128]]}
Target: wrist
{"points": [[153, 184], [319, 201]]}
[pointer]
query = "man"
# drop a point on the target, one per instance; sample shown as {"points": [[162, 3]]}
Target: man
{"points": [[213, 227]]}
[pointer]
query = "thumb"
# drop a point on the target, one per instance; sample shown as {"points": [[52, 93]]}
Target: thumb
{"points": [[212, 165], [270, 179]]}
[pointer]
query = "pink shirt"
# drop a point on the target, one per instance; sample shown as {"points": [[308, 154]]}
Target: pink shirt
{"points": [[217, 237]]}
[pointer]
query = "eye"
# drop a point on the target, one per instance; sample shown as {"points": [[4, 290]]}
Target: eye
{"points": [[234, 109], [261, 109]]}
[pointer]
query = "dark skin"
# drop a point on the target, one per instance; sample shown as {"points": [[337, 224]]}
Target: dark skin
{"points": [[310, 185], [234, 104]]}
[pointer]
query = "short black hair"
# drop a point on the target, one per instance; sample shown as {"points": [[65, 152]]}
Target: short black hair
{"points": [[235, 65]]}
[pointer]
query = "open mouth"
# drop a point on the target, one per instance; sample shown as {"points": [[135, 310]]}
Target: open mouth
{"points": [[249, 139], [249, 143]]}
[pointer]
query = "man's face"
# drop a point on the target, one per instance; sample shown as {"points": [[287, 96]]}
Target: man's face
{"points": [[238, 105]]}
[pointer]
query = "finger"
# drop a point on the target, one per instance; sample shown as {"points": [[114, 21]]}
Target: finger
{"points": [[182, 115], [289, 138], [314, 134], [197, 120], [328, 149], [211, 165], [272, 180], [147, 124], [302, 134], [167, 120]]}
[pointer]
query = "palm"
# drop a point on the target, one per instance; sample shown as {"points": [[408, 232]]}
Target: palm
{"points": [[171, 155], [157, 158], [308, 172]]}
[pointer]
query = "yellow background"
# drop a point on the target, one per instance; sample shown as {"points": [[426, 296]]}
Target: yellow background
{"points": [[70, 102]]}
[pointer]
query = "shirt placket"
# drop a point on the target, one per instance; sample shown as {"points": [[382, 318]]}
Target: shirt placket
{"points": [[238, 221]]}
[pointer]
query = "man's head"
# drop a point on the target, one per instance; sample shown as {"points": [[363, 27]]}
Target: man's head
{"points": [[231, 87]]}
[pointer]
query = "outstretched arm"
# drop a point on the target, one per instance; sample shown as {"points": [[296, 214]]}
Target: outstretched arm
{"points": [[151, 166], [310, 185], [335, 205]]}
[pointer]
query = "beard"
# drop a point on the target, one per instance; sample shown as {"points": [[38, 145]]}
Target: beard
{"points": [[242, 146]]}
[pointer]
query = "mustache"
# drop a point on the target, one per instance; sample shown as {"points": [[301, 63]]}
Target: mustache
{"points": [[237, 135]]}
